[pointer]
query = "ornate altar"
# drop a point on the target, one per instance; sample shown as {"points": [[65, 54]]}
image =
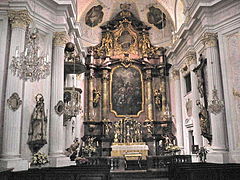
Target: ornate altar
{"points": [[130, 111]]}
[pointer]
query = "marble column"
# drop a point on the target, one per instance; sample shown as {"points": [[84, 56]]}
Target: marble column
{"points": [[56, 135], [219, 134], [11, 155], [191, 59], [149, 103], [178, 108], [105, 93]]}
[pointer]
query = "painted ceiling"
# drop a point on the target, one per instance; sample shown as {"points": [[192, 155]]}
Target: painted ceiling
{"points": [[140, 8]]}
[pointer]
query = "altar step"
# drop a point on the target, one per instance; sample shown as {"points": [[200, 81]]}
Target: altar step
{"points": [[138, 175], [135, 165]]}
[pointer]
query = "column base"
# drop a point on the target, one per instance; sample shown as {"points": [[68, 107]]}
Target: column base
{"points": [[195, 158], [17, 164], [59, 161], [218, 157], [234, 157]]}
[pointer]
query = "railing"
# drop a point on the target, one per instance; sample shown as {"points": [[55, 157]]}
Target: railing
{"points": [[154, 163], [163, 162]]}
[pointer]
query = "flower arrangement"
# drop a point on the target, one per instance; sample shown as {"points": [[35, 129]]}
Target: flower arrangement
{"points": [[90, 148], [172, 148], [39, 159]]}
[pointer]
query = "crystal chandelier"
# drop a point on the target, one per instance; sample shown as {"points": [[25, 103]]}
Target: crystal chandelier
{"points": [[29, 65], [215, 105]]}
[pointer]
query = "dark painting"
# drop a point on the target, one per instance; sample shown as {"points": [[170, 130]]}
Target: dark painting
{"points": [[126, 91], [157, 17], [94, 16]]}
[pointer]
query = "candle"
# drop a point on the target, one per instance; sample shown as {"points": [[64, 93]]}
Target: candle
{"points": [[26, 50], [17, 52]]}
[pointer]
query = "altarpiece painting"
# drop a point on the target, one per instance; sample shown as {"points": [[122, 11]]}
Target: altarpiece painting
{"points": [[126, 91]]}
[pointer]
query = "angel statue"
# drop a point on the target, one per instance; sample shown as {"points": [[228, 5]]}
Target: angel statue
{"points": [[38, 126]]}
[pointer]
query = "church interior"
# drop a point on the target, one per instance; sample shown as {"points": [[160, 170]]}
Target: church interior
{"points": [[119, 89]]}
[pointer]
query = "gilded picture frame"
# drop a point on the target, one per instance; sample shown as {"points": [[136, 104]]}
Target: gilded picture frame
{"points": [[126, 91]]}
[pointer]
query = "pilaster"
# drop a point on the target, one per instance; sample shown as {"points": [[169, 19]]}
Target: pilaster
{"points": [[219, 134], [11, 155]]}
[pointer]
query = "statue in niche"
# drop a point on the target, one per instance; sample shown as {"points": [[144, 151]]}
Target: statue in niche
{"points": [[156, 17], [189, 107], [96, 97], [158, 98], [94, 16], [204, 121], [38, 126]]}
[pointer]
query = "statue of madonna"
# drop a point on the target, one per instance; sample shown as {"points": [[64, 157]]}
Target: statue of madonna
{"points": [[38, 126]]}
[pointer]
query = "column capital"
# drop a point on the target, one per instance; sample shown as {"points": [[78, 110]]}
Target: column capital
{"points": [[175, 74], [19, 19], [105, 75], [60, 38], [191, 57], [209, 39], [148, 75]]}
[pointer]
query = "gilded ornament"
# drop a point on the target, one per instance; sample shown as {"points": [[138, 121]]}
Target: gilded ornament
{"points": [[19, 19], [14, 102]]}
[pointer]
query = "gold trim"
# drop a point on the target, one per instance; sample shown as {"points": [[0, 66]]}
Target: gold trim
{"points": [[141, 76]]}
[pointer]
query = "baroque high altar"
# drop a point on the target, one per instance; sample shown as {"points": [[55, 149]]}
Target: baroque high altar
{"points": [[127, 91]]}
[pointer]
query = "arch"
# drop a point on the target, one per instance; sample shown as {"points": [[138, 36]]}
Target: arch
{"points": [[179, 9]]}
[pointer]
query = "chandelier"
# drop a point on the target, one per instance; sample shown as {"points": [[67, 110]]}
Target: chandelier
{"points": [[29, 65], [215, 105]]}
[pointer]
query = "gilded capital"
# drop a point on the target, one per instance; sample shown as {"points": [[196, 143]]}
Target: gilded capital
{"points": [[148, 75], [60, 38], [19, 19], [176, 74], [105, 75], [209, 39], [191, 57]]}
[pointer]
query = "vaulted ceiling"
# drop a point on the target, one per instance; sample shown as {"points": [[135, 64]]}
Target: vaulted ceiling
{"points": [[173, 9]]}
